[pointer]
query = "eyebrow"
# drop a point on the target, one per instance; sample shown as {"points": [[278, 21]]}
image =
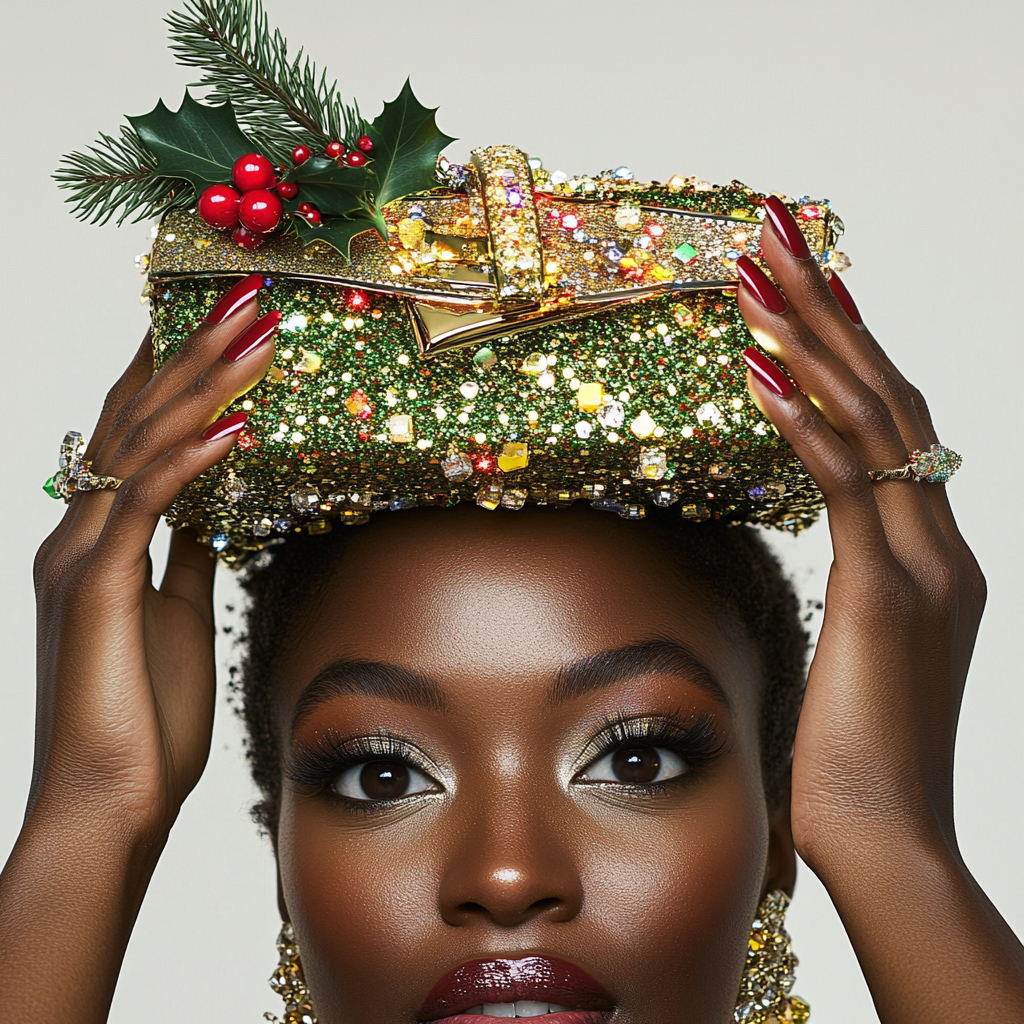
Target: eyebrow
{"points": [[647, 658], [577, 679], [371, 679]]}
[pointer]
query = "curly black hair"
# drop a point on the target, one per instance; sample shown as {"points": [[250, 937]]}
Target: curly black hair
{"points": [[732, 564]]}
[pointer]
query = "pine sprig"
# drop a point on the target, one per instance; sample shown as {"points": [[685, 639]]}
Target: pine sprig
{"points": [[279, 101], [117, 171]]}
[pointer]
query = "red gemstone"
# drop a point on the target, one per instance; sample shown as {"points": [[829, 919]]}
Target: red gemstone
{"points": [[300, 154], [253, 171], [356, 301], [365, 143], [260, 210], [313, 217], [335, 149], [246, 238], [218, 206], [287, 190], [355, 158]]}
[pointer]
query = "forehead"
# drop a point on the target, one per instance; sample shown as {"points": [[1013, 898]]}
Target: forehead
{"points": [[498, 603]]}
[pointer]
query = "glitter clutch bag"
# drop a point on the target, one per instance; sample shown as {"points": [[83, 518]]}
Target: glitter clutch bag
{"points": [[490, 333], [519, 337]]}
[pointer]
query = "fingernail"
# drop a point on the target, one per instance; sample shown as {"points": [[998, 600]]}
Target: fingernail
{"points": [[845, 299], [768, 373], [787, 228], [225, 425], [252, 337], [235, 299], [757, 283]]}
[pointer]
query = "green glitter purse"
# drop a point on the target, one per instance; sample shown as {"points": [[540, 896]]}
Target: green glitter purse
{"points": [[520, 337], [489, 332]]}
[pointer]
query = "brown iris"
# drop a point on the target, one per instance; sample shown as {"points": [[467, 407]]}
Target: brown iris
{"points": [[384, 780], [636, 765]]}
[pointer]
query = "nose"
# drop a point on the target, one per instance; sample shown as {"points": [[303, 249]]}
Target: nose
{"points": [[510, 866]]}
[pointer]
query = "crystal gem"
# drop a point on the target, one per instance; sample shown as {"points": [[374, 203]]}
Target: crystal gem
{"points": [[623, 173], [733, 254], [546, 380], [469, 389], [570, 222], [220, 542], [643, 426], [611, 414], [632, 512], [310, 362], [590, 396], [513, 498], [627, 217], [652, 464], [514, 455], [685, 253], [400, 429], [485, 358], [261, 528], [359, 405], [583, 430], [535, 362], [456, 467], [399, 504], [613, 254], [489, 495], [698, 513], [757, 490], [579, 235], [810, 211], [839, 261], [663, 497], [51, 488], [415, 212], [234, 487], [709, 413], [305, 499], [282, 524]]}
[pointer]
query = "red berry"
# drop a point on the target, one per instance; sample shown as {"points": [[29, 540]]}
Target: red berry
{"points": [[253, 171], [300, 154], [313, 217], [246, 238], [355, 158], [335, 149], [287, 190], [218, 206], [305, 207], [365, 144], [260, 210]]}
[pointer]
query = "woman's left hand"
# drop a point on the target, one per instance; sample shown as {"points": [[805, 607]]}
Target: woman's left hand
{"points": [[872, 792]]}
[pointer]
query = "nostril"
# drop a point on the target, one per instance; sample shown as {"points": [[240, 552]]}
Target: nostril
{"points": [[473, 908], [549, 901]]}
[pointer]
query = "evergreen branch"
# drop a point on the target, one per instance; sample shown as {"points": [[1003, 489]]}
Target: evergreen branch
{"points": [[118, 171], [279, 101]]}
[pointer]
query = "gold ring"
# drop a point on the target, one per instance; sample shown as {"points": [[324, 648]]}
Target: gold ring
{"points": [[934, 465], [74, 473]]}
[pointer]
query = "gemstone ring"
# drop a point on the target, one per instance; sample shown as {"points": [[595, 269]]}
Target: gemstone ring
{"points": [[934, 465], [74, 473]]}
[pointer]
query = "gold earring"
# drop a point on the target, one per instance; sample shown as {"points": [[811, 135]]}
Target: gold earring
{"points": [[768, 975], [287, 981]]}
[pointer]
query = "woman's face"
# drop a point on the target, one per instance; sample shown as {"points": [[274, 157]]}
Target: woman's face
{"points": [[522, 766]]}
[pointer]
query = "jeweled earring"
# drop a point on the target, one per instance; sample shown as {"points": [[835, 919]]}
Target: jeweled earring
{"points": [[287, 981], [768, 975]]}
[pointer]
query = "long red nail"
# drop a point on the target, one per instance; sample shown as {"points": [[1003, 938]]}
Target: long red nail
{"points": [[845, 299], [768, 373], [225, 425], [757, 283], [787, 228], [235, 299], [252, 337]]}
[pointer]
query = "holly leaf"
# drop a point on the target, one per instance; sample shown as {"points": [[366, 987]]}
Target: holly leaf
{"points": [[337, 232], [406, 144], [195, 142], [335, 191]]}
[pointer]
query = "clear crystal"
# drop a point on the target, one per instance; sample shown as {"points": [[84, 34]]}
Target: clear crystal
{"points": [[513, 498], [305, 499], [611, 414], [456, 467]]}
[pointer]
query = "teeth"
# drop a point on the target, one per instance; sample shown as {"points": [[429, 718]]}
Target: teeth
{"points": [[520, 1008]]}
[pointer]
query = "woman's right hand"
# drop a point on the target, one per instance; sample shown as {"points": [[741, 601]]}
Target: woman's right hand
{"points": [[126, 673]]}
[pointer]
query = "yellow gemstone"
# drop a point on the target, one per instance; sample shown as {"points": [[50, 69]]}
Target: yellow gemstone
{"points": [[411, 233], [676, 183], [661, 273], [590, 396], [643, 426], [535, 362], [400, 428], [489, 495], [514, 455], [309, 363]]}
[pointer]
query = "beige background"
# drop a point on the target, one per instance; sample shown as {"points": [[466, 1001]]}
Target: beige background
{"points": [[906, 115]]}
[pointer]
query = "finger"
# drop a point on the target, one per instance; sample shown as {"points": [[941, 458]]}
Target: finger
{"points": [[123, 544], [189, 573], [130, 383], [185, 414], [858, 535], [853, 410], [204, 346], [828, 310]]}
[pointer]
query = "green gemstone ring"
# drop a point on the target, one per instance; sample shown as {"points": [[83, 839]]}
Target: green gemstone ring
{"points": [[934, 465]]}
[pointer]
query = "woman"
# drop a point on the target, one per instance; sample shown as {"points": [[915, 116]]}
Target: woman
{"points": [[551, 780]]}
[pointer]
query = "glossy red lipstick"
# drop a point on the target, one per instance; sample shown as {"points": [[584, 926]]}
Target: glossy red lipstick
{"points": [[531, 978]]}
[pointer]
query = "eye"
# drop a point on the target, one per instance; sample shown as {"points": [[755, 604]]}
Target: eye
{"points": [[381, 780], [635, 766]]}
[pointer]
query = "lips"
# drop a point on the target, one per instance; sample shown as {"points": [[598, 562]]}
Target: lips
{"points": [[531, 979]]}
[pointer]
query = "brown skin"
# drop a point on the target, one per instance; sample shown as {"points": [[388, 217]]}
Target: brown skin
{"points": [[126, 684], [651, 892]]}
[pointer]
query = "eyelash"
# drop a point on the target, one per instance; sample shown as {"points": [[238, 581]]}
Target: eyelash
{"points": [[696, 741], [316, 765]]}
